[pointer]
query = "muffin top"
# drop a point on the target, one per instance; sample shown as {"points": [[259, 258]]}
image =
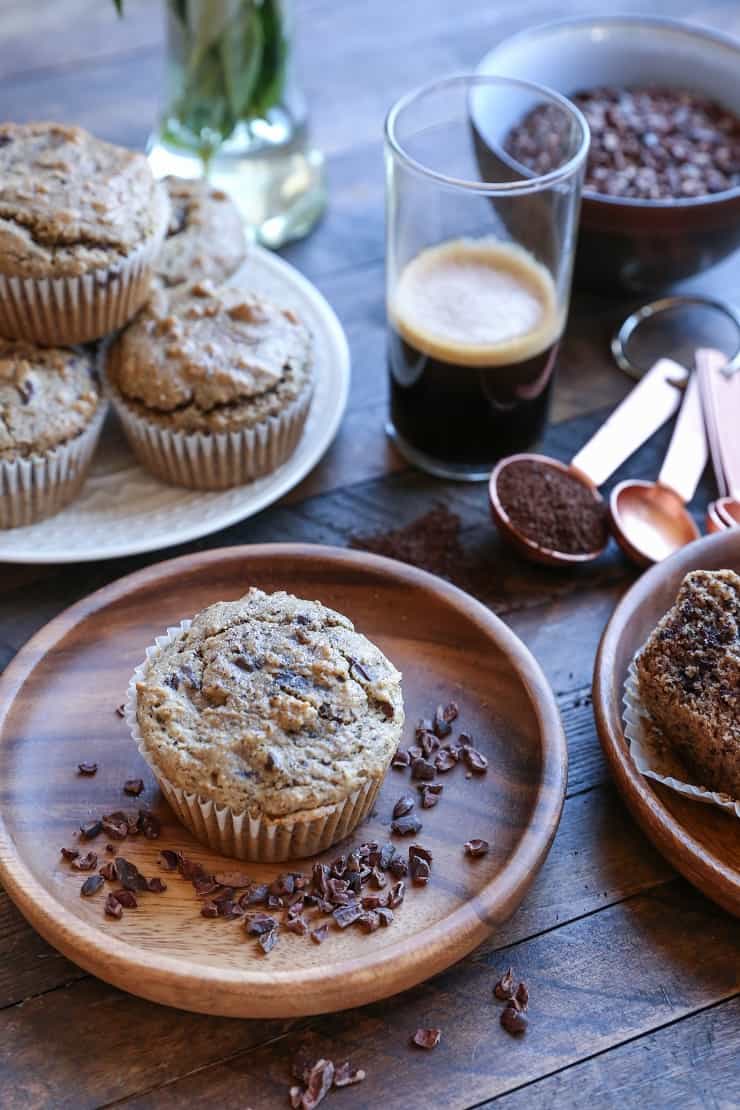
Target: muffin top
{"points": [[205, 237], [203, 359], [47, 397], [270, 704], [71, 203]]}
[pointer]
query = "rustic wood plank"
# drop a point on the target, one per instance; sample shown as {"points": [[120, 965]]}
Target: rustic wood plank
{"points": [[692, 1063], [28, 965], [594, 984]]}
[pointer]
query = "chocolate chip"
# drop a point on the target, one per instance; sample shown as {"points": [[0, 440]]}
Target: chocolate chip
{"points": [[25, 390], [426, 1038], [406, 826], [357, 671], [513, 1020], [134, 787], [505, 989], [404, 805], [476, 847], [91, 885], [87, 768]]}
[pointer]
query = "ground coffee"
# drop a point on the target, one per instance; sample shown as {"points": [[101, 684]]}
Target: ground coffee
{"points": [[552, 508]]}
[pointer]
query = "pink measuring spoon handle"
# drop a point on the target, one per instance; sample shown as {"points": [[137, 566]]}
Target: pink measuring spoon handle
{"points": [[654, 399], [721, 401], [687, 452]]}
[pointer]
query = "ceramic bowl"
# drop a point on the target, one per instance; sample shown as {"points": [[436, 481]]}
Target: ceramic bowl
{"points": [[626, 243]]}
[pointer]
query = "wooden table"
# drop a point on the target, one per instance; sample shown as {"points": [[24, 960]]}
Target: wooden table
{"points": [[634, 976]]}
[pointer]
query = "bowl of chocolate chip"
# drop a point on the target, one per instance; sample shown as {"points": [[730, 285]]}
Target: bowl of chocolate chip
{"points": [[661, 193]]}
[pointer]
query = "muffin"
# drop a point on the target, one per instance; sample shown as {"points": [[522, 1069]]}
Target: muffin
{"points": [[213, 385], [81, 224], [51, 412], [205, 237], [689, 678], [269, 723]]}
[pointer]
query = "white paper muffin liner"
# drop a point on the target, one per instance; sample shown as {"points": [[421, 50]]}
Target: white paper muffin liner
{"points": [[656, 760], [35, 488], [219, 460], [63, 311], [247, 836]]}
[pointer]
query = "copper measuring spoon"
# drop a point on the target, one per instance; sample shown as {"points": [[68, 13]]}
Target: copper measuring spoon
{"points": [[721, 400], [649, 519], [652, 401]]}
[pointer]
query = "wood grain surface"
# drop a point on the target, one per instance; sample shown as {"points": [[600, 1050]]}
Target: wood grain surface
{"points": [[633, 975]]}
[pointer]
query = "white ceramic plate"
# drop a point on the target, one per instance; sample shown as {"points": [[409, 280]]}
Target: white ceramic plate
{"points": [[123, 510]]}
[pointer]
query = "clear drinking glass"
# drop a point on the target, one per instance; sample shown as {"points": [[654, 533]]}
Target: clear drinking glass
{"points": [[483, 191]]}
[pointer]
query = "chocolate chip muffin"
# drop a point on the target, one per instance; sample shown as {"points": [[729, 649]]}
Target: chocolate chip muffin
{"points": [[213, 385], [81, 223], [689, 678], [51, 412], [205, 237], [270, 723]]}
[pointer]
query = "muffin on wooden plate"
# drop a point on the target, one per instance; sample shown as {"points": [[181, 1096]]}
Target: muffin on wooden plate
{"points": [[81, 225], [205, 237], [269, 723], [689, 678], [213, 385], [51, 413]]}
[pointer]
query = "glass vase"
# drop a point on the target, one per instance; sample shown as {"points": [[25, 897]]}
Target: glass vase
{"points": [[235, 114]]}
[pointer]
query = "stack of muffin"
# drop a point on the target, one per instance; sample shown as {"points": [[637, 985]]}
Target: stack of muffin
{"points": [[212, 384]]}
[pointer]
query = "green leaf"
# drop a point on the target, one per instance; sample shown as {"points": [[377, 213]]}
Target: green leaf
{"points": [[180, 9], [208, 20], [241, 48], [275, 55], [119, 6]]}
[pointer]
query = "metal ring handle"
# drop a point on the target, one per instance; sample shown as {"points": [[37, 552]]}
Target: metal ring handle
{"points": [[665, 304]]}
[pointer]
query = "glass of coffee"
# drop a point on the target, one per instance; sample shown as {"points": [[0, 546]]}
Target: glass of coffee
{"points": [[479, 253]]}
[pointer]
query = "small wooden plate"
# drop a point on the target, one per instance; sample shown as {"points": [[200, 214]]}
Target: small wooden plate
{"points": [[699, 840], [57, 708]]}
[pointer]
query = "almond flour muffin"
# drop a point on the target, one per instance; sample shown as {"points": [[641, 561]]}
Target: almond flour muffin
{"points": [[81, 223], [205, 237], [51, 413], [269, 723], [213, 385], [689, 678]]}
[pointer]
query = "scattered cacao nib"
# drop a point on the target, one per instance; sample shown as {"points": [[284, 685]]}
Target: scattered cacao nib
{"points": [[318, 1084], [369, 921], [255, 896], [400, 760], [338, 890], [297, 925], [134, 787], [284, 884], [512, 1019], [377, 878], [156, 885], [91, 830], [398, 867], [347, 915], [121, 710], [522, 996], [129, 875], [259, 923], [126, 898], [428, 743], [396, 895], [69, 853], [475, 760], [373, 901], [267, 941], [108, 871], [404, 805], [440, 726], [339, 866], [209, 909], [319, 935], [110, 848], [344, 1076], [422, 769], [232, 878], [113, 907], [386, 855], [115, 828], [91, 885], [414, 752], [418, 851], [86, 862], [426, 1038], [87, 768], [430, 793], [149, 824], [321, 878], [506, 986], [168, 860], [385, 915], [189, 868], [444, 761], [205, 885], [420, 871], [464, 740], [296, 1097], [476, 847], [406, 826]]}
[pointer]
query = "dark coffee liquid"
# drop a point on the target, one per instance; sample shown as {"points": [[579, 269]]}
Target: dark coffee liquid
{"points": [[466, 404]]}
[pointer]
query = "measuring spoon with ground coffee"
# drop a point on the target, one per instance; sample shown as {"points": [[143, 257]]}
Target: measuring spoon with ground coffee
{"points": [[552, 512]]}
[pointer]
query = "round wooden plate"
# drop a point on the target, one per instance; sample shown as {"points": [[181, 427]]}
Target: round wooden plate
{"points": [[57, 708], [701, 841]]}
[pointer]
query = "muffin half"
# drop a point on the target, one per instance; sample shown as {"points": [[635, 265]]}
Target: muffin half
{"points": [[205, 236], [269, 723]]}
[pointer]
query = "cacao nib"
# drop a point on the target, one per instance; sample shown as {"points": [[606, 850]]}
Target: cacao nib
{"points": [[319, 935], [110, 848], [414, 752], [189, 868], [339, 866], [443, 716], [385, 915], [423, 770], [168, 859], [87, 768], [464, 740], [406, 826], [117, 830], [506, 987], [426, 1038], [232, 878], [125, 898], [522, 996], [475, 760], [396, 896], [444, 761], [344, 1076], [347, 915], [129, 875], [108, 871], [321, 878], [284, 884], [420, 871], [373, 901], [377, 879], [387, 853], [318, 1085], [113, 907], [400, 760], [369, 921], [91, 830], [476, 847], [121, 710], [513, 1020], [428, 742], [156, 885], [404, 805], [86, 862], [209, 909], [259, 923], [134, 787], [418, 851], [398, 867], [149, 824], [267, 941], [205, 886], [297, 925], [69, 853], [430, 794], [256, 895], [91, 885]]}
